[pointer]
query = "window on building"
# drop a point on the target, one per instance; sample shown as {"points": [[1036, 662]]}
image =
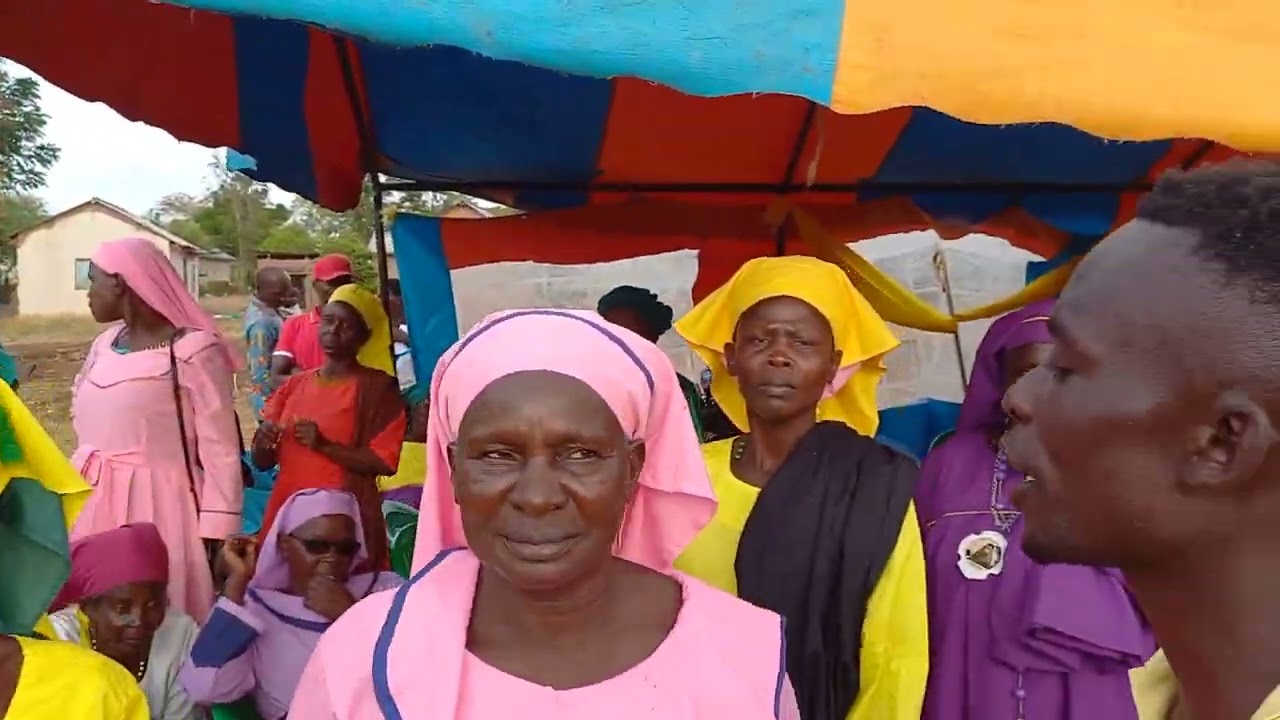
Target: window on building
{"points": [[82, 274]]}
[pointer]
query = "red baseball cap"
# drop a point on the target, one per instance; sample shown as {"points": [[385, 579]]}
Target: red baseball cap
{"points": [[331, 266]]}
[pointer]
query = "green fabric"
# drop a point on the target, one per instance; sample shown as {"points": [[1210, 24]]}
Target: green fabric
{"points": [[34, 557], [8, 368], [242, 709], [402, 531], [693, 396]]}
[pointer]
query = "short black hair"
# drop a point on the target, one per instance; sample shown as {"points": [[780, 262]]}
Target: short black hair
{"points": [[1235, 208]]}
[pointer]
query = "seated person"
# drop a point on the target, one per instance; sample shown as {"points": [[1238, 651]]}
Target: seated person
{"points": [[40, 496], [276, 603], [116, 604]]}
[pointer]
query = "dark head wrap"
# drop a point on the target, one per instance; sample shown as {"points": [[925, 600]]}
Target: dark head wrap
{"points": [[655, 314]]}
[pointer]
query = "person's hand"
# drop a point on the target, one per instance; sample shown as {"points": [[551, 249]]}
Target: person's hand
{"points": [[239, 556], [239, 559], [327, 597], [267, 437], [308, 434]]}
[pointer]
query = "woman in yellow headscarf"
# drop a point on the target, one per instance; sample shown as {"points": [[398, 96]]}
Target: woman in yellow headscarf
{"points": [[815, 520], [40, 496], [340, 425]]}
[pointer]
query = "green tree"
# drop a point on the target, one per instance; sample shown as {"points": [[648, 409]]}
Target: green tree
{"points": [[17, 212], [25, 156]]}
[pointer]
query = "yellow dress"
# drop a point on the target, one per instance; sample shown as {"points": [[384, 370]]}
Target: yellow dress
{"points": [[1155, 692], [62, 680], [411, 471], [895, 638]]}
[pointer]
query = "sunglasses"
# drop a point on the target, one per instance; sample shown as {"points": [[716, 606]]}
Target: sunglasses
{"points": [[324, 547]]}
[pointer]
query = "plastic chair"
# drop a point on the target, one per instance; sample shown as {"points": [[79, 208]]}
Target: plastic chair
{"points": [[402, 531], [242, 709]]}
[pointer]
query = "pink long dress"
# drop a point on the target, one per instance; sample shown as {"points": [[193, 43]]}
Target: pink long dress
{"points": [[401, 655], [126, 427]]}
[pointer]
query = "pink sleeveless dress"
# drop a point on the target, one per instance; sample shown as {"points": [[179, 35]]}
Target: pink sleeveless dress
{"points": [[129, 450], [401, 655]]}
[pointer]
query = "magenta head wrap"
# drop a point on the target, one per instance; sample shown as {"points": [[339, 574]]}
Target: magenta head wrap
{"points": [[674, 499], [150, 275], [109, 559], [981, 409], [272, 572]]}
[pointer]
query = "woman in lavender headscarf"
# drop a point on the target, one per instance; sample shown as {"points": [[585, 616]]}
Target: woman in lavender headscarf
{"points": [[1011, 639]]}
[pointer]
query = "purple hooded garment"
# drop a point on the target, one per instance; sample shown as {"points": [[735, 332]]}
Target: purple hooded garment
{"points": [[1057, 639]]}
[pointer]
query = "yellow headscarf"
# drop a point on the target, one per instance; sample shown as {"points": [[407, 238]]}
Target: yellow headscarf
{"points": [[860, 335], [376, 351]]}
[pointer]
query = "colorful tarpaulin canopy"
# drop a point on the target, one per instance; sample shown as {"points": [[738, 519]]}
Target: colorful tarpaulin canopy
{"points": [[317, 110]]}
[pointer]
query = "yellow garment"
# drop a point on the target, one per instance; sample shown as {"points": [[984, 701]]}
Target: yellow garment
{"points": [[896, 303], [1155, 692], [412, 469], [1133, 70], [42, 460], [860, 334], [62, 680], [894, 663], [376, 351]]}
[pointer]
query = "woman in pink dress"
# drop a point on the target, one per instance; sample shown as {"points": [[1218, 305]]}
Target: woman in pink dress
{"points": [[563, 479], [153, 415]]}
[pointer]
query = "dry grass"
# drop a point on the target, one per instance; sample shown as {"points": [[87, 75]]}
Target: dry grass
{"points": [[51, 349]]}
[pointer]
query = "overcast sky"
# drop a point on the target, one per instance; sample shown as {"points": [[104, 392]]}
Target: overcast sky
{"points": [[126, 163]]}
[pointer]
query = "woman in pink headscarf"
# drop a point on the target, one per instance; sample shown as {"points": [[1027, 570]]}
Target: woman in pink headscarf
{"points": [[153, 414], [563, 479], [115, 604]]}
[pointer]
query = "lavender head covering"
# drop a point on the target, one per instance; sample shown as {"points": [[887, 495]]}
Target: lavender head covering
{"points": [[272, 573]]}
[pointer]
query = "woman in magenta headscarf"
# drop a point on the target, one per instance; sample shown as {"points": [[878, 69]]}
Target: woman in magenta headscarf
{"points": [[115, 604], [1010, 639], [563, 479], [154, 416]]}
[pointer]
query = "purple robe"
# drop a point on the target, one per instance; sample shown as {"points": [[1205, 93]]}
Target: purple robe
{"points": [[1052, 642]]}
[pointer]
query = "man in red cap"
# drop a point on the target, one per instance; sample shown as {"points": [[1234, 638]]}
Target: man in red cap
{"points": [[299, 345]]}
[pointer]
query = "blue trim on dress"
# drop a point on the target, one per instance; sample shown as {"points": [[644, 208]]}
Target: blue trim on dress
{"points": [[382, 649], [782, 672], [223, 638]]}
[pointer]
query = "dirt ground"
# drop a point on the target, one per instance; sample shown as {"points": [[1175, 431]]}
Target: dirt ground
{"points": [[50, 350]]}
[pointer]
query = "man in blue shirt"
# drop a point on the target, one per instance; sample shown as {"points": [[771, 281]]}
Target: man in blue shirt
{"points": [[273, 291]]}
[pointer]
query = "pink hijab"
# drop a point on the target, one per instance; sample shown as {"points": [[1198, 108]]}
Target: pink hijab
{"points": [[109, 559], [674, 500], [151, 276]]}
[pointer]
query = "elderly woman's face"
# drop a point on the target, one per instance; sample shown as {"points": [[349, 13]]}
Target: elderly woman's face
{"points": [[324, 545], [342, 330], [543, 473], [124, 619]]}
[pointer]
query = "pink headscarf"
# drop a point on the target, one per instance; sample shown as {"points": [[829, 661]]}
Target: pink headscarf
{"points": [[272, 573], [151, 276], [109, 559], [674, 499]]}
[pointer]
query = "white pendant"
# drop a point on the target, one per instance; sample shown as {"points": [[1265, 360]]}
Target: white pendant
{"points": [[982, 554]]}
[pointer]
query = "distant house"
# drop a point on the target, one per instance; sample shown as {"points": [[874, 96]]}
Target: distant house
{"points": [[53, 255], [464, 208], [216, 267]]}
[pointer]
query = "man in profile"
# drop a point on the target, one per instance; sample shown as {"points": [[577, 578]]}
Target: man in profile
{"points": [[1150, 437], [263, 320]]}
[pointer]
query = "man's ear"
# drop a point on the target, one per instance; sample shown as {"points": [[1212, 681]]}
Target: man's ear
{"points": [[1230, 452]]}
